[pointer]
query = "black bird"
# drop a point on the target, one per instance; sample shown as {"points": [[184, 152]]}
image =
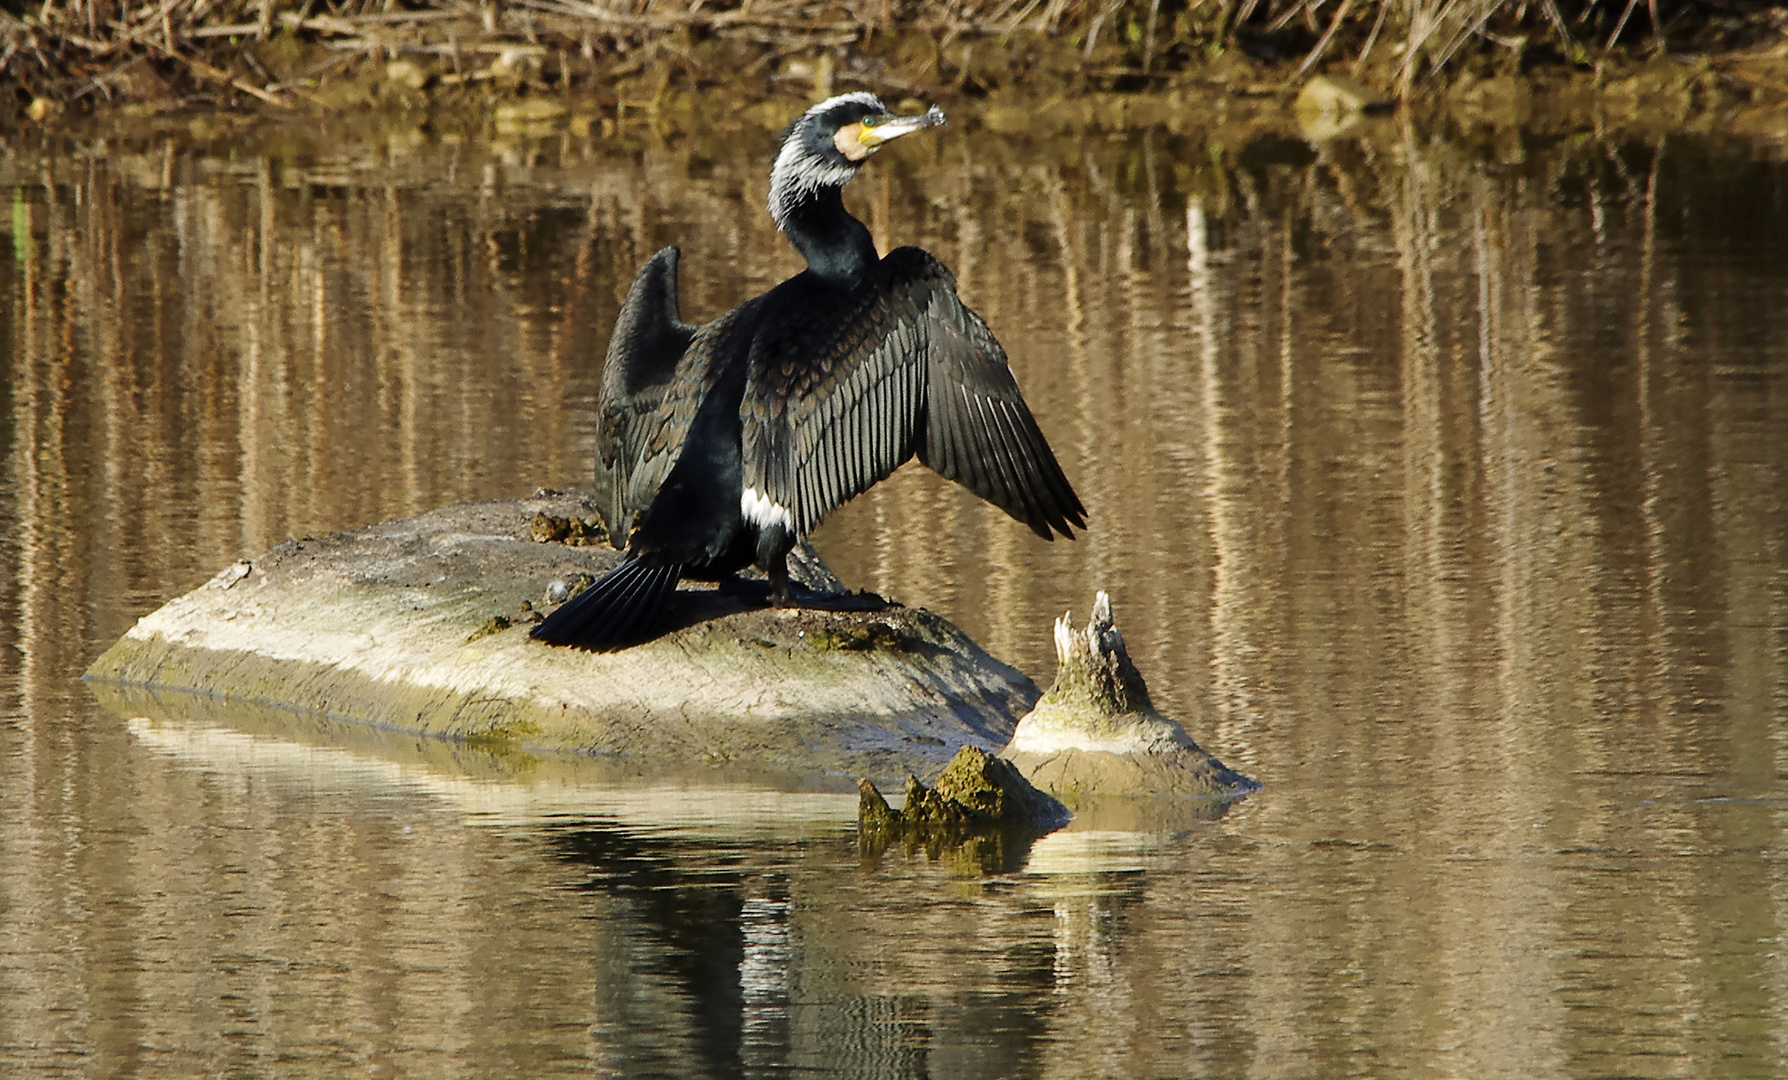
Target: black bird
{"points": [[731, 440]]}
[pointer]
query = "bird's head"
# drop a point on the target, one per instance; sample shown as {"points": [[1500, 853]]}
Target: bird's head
{"points": [[829, 142]]}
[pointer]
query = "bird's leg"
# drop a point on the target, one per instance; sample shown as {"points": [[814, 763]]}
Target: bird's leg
{"points": [[779, 591]]}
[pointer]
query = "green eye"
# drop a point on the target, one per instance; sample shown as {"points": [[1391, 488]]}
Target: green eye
{"points": [[871, 120]]}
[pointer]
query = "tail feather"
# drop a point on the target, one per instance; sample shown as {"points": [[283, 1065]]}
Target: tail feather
{"points": [[637, 601], [615, 612]]}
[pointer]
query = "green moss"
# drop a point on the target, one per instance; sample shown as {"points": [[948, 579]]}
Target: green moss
{"points": [[578, 584], [496, 624], [503, 735], [976, 791], [873, 811], [571, 531], [859, 638]]}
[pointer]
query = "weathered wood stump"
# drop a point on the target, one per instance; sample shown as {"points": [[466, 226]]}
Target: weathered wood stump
{"points": [[1095, 733]]}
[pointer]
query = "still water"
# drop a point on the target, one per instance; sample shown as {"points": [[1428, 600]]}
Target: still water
{"points": [[1441, 485]]}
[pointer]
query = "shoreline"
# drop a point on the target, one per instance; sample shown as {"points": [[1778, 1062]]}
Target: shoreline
{"points": [[1645, 107], [535, 69]]}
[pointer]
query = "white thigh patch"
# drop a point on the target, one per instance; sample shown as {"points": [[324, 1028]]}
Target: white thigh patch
{"points": [[762, 511]]}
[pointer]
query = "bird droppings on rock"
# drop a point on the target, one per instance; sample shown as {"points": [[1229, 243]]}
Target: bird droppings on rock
{"points": [[559, 590]]}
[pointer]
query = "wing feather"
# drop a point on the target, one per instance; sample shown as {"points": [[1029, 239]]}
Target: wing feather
{"points": [[1017, 500], [662, 434], [1024, 455], [1012, 470], [992, 445], [645, 348], [860, 383]]}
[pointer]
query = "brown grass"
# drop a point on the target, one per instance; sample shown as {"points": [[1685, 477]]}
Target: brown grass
{"points": [[280, 52]]}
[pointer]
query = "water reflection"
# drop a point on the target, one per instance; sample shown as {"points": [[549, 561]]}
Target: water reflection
{"points": [[1439, 486]]}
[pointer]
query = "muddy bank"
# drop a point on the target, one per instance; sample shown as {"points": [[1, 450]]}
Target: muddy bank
{"points": [[421, 625]]}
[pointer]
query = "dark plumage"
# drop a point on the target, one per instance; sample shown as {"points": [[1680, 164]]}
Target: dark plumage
{"points": [[720, 445]]}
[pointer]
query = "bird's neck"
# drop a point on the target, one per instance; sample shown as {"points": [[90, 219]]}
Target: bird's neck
{"points": [[837, 246]]}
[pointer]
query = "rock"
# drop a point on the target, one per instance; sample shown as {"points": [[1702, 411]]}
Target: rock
{"points": [[235, 572], [1330, 106], [976, 790], [513, 67], [977, 794], [991, 791], [422, 625], [1502, 102], [406, 73], [42, 110], [873, 811], [1096, 734]]}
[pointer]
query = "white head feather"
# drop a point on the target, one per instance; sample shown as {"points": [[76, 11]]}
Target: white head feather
{"points": [[798, 172]]}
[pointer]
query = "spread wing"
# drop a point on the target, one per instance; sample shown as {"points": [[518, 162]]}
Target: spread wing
{"points": [[662, 435], [644, 351], [841, 398]]}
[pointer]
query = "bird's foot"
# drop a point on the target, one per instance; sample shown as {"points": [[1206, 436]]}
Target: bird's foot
{"points": [[782, 594]]}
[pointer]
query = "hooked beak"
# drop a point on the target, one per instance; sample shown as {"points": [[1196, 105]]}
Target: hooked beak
{"points": [[893, 127]]}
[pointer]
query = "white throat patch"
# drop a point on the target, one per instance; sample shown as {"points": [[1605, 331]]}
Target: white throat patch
{"points": [[798, 173]]}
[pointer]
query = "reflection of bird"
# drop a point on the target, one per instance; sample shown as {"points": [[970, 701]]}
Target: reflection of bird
{"points": [[730, 441]]}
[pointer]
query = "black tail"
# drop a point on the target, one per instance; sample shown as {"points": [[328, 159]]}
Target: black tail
{"points": [[615, 612]]}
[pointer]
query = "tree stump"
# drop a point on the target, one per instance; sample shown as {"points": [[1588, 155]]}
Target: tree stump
{"points": [[1095, 733]]}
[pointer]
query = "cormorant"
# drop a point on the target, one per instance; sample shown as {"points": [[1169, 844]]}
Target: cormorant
{"points": [[731, 440]]}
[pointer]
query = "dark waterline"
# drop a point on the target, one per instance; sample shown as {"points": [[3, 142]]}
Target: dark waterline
{"points": [[1443, 490]]}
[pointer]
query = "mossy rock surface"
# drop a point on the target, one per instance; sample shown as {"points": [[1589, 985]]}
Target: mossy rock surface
{"points": [[421, 625], [976, 792]]}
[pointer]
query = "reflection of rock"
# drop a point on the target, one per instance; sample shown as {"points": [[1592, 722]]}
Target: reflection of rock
{"points": [[1096, 733], [1499, 102]]}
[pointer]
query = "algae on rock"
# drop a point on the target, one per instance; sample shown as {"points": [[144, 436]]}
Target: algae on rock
{"points": [[976, 791]]}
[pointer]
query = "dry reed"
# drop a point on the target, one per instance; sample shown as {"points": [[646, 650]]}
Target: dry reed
{"points": [[66, 50]]}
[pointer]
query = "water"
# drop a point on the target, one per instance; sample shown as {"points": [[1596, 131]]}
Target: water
{"points": [[1441, 485]]}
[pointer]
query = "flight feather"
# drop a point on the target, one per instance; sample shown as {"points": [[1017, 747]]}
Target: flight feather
{"points": [[836, 403]]}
